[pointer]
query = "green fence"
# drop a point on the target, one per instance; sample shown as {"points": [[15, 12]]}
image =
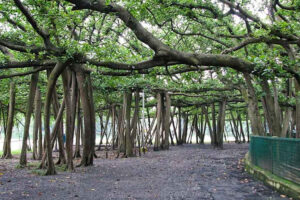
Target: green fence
{"points": [[281, 156]]}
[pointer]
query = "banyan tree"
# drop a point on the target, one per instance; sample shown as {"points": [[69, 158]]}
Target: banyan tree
{"points": [[126, 75]]}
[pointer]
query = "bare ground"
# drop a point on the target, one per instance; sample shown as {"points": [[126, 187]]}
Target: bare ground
{"points": [[184, 172]]}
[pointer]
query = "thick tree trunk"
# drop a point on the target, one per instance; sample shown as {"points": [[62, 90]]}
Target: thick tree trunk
{"points": [[167, 120], [10, 123], [58, 69], [67, 79], [127, 111], [37, 116], [92, 113], [29, 110], [86, 96], [158, 124], [253, 111], [221, 124], [272, 117]]}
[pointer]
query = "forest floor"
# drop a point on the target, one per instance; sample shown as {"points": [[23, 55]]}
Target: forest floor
{"points": [[183, 172]]}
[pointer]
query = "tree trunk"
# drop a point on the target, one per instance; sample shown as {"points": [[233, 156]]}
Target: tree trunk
{"points": [[134, 124], [209, 125], [248, 130], [29, 110], [272, 117], [214, 126], [60, 131], [77, 131], [58, 69], [121, 137], [67, 79], [37, 115], [221, 124], [253, 111], [291, 53], [10, 122], [241, 128], [179, 127], [185, 127], [113, 126], [54, 133], [158, 124], [40, 141], [167, 120], [127, 109], [86, 96]]}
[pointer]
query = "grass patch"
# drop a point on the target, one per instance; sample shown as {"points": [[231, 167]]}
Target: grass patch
{"points": [[39, 172], [14, 152], [42, 172], [33, 165], [61, 168]]}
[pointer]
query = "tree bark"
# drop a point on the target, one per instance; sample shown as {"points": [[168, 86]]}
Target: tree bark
{"points": [[273, 119], [158, 124], [134, 124], [179, 127], [86, 96], [29, 110], [60, 131], [127, 109], [214, 125], [10, 123], [54, 133], [37, 115], [40, 141], [58, 69], [167, 120], [221, 124], [185, 127], [77, 131], [67, 79], [253, 111]]}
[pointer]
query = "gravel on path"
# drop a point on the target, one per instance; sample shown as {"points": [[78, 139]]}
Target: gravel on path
{"points": [[184, 172]]}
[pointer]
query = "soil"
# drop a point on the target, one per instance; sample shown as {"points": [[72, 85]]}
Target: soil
{"points": [[184, 172]]}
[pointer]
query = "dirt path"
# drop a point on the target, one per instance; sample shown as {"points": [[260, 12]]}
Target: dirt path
{"points": [[186, 172]]}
